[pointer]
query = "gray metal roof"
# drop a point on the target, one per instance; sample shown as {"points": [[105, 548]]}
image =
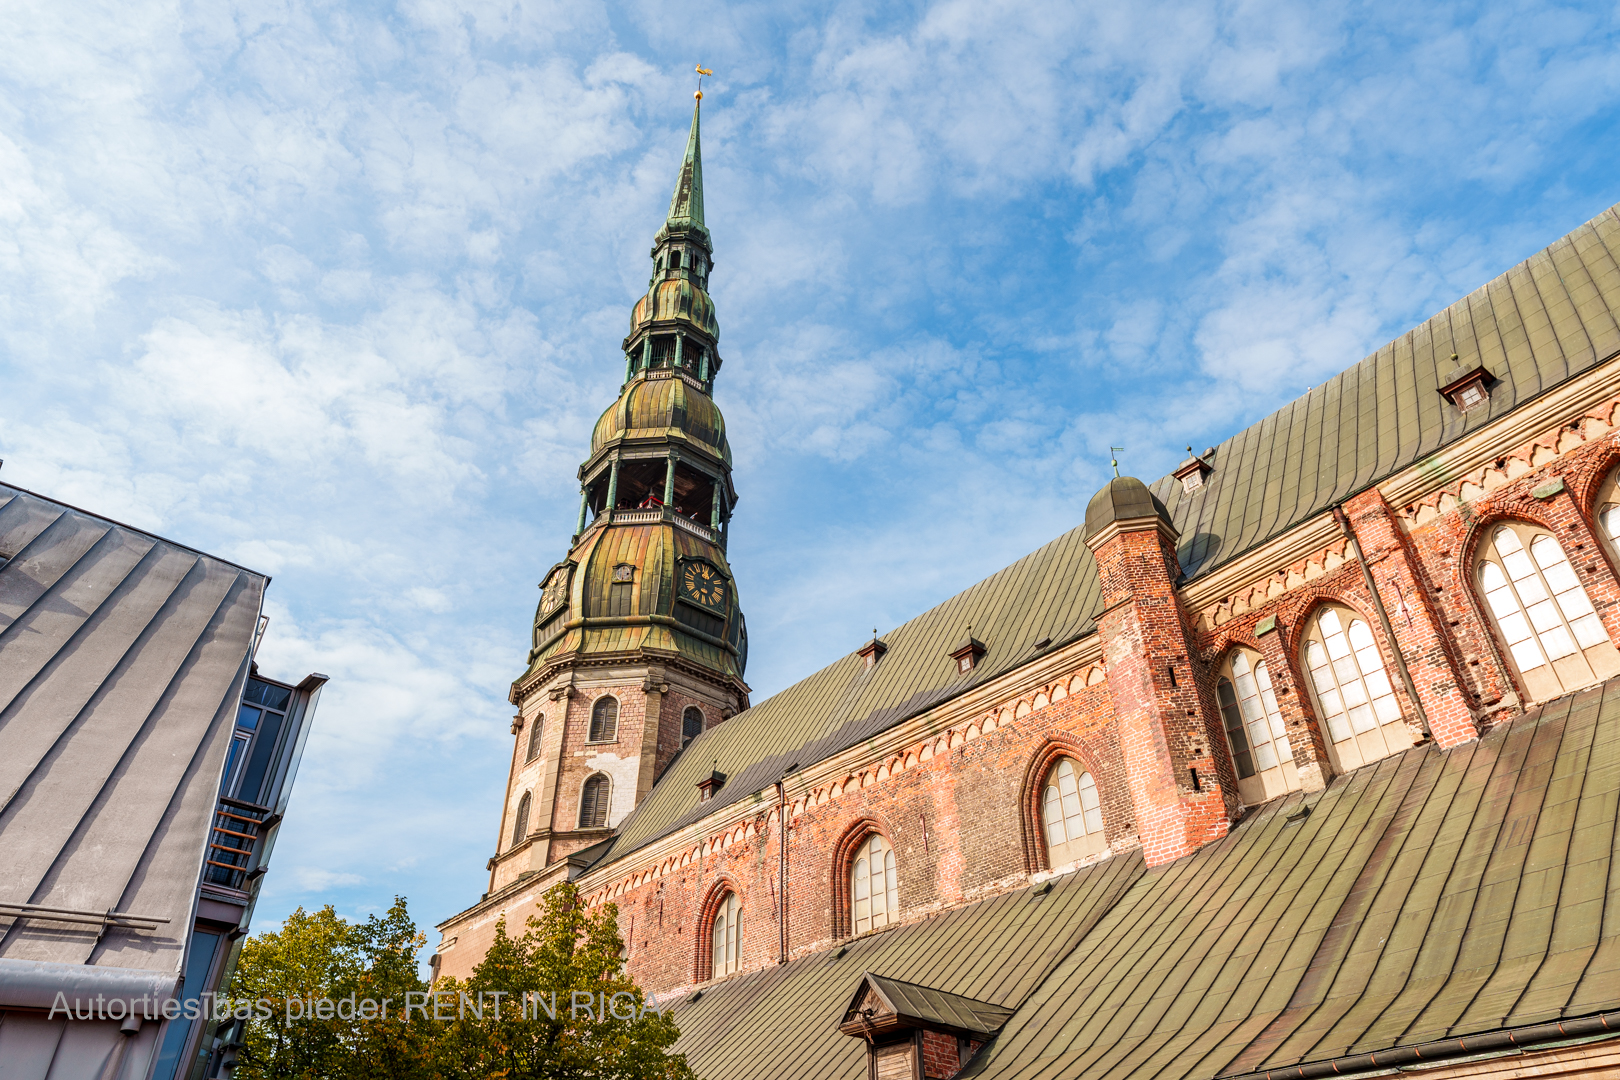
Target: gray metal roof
{"points": [[122, 656], [933, 1007]]}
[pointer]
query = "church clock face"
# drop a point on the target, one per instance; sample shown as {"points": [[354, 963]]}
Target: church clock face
{"points": [[702, 584], [555, 590]]}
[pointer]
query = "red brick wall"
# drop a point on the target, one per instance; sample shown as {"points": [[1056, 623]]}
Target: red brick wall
{"points": [[939, 1056]]}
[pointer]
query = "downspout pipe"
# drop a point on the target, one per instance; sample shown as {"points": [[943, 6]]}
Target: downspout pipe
{"points": [[1383, 619], [781, 865], [1525, 1038]]}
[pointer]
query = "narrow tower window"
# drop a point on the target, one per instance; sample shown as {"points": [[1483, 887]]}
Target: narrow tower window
{"points": [[593, 802], [1255, 730], [605, 720], [874, 890], [691, 724], [1555, 638], [726, 945], [1073, 814], [1354, 697], [537, 728], [520, 824]]}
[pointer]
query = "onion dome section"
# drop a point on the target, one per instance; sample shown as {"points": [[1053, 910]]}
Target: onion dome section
{"points": [[661, 409]]}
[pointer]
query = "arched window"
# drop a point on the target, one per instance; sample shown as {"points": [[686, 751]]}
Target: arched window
{"points": [[691, 724], [520, 825], [1255, 729], [593, 802], [874, 891], [1072, 813], [1556, 641], [727, 947], [605, 720], [537, 728], [1354, 697]]}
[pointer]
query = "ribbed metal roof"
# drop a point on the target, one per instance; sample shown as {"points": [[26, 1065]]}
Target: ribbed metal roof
{"points": [[122, 657], [1546, 320], [783, 1021], [1435, 894]]}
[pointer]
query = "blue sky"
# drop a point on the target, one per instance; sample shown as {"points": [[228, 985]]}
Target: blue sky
{"points": [[336, 291]]}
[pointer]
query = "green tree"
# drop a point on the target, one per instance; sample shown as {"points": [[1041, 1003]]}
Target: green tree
{"points": [[566, 951], [320, 957]]}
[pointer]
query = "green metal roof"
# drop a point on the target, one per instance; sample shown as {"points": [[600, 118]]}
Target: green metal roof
{"points": [[686, 205], [1433, 894], [783, 1021], [1541, 323]]}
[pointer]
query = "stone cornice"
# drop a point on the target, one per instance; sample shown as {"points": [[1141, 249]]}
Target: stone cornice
{"points": [[1302, 540]]}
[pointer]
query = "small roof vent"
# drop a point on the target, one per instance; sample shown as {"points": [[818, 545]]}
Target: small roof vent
{"points": [[1192, 472], [968, 654], [1468, 388], [873, 650], [710, 784]]}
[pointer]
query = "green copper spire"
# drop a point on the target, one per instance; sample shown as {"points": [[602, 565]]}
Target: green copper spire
{"points": [[686, 206]]}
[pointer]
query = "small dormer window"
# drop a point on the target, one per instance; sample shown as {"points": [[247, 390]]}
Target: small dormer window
{"points": [[1192, 472], [710, 784], [1468, 388], [968, 654], [872, 651]]}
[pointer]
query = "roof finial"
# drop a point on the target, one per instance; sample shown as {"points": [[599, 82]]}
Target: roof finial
{"points": [[702, 71], [1115, 461]]}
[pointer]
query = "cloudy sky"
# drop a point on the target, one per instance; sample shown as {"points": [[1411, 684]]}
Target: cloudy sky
{"points": [[336, 291]]}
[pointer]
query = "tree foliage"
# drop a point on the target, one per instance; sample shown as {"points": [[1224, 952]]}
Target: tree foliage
{"points": [[477, 1029]]}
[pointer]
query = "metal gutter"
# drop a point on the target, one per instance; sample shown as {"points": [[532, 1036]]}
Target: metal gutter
{"points": [[1524, 1038]]}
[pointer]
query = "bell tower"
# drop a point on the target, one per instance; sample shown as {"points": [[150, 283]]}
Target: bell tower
{"points": [[639, 643]]}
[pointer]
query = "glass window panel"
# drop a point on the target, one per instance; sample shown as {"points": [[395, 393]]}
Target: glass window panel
{"points": [[1284, 750], [1547, 552], [1518, 566], [247, 717], [1054, 817], [1506, 541], [1251, 708], [1331, 703], [1544, 617], [1561, 577], [1264, 756], [1337, 646], [1378, 683], [1515, 628], [1279, 728], [1589, 630], [1338, 728], [1503, 602], [1314, 656], [1387, 709], [1363, 719], [1611, 521], [1269, 700], [1092, 804], [1347, 674], [1330, 622], [1530, 590], [1526, 654], [1557, 643], [1574, 604], [1360, 637]]}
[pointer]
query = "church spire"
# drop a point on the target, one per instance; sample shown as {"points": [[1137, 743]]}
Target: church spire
{"points": [[686, 205]]}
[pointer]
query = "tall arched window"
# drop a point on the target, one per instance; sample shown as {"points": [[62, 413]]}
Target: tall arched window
{"points": [[874, 891], [605, 720], [1354, 697], [727, 938], [520, 825], [1556, 641], [1255, 729], [1072, 813], [593, 802], [691, 724], [537, 728]]}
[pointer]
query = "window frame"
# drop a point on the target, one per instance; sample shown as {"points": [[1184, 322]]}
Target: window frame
{"points": [[873, 843], [1267, 782], [1091, 841], [1358, 748], [703, 723], [726, 916], [1586, 664], [592, 735], [520, 819], [604, 801], [537, 728]]}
